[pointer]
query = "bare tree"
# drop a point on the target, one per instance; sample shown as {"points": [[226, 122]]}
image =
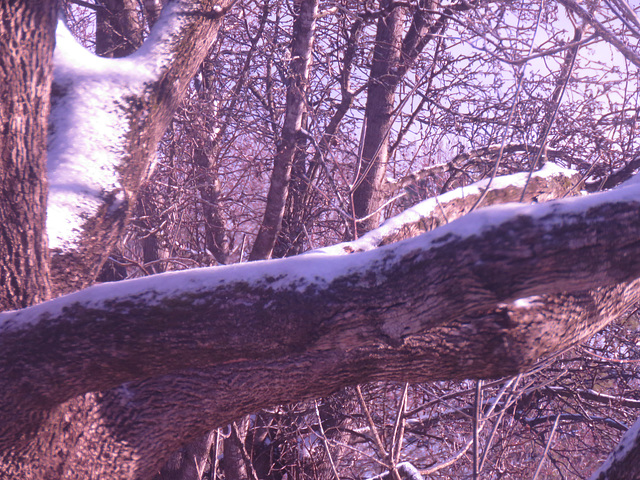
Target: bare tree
{"points": [[110, 381]]}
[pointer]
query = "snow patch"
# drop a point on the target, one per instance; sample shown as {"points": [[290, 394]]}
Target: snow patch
{"points": [[88, 133], [89, 123], [425, 208], [313, 271], [528, 302]]}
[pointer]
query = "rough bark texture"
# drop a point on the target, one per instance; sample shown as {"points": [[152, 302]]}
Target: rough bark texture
{"points": [[27, 38], [149, 116], [108, 384], [118, 28], [367, 197], [301, 55], [439, 306], [27, 32]]}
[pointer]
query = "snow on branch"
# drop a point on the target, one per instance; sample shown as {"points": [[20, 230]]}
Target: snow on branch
{"points": [[90, 122], [107, 118], [550, 182], [458, 276]]}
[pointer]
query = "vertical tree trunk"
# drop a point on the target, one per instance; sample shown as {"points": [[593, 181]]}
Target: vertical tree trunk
{"points": [[27, 39], [118, 28], [189, 462], [234, 463], [367, 197], [216, 236], [301, 49], [290, 242], [393, 56], [302, 195], [151, 248]]}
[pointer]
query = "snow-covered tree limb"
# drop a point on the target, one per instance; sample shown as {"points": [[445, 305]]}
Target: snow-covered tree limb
{"points": [[624, 461], [548, 183], [107, 382], [96, 165], [479, 297]]}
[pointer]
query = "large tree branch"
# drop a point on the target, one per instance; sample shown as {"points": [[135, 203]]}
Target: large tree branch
{"points": [[415, 296], [204, 347], [97, 165], [624, 462], [548, 183]]}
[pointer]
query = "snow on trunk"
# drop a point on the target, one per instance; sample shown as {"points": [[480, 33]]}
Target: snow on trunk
{"points": [[91, 122]]}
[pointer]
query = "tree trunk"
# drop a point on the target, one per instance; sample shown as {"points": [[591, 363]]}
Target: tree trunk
{"points": [[143, 117], [301, 55], [393, 56], [216, 235], [439, 306], [368, 196], [118, 28], [27, 30], [190, 461], [290, 242], [236, 464], [109, 382]]}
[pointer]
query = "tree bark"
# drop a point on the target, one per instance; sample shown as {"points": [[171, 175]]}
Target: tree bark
{"points": [[236, 461], [218, 344], [624, 462], [393, 56], [108, 382], [216, 235], [118, 28], [27, 33], [301, 56], [190, 461], [144, 117], [367, 197]]}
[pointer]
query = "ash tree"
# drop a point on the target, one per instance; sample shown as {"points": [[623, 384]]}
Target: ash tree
{"points": [[107, 381]]}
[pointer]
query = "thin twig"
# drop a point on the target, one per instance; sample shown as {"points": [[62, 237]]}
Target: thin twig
{"points": [[476, 429], [92, 6], [513, 383], [372, 427], [511, 113], [325, 440], [215, 454], [398, 428], [546, 448], [552, 118], [236, 437], [449, 461]]}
